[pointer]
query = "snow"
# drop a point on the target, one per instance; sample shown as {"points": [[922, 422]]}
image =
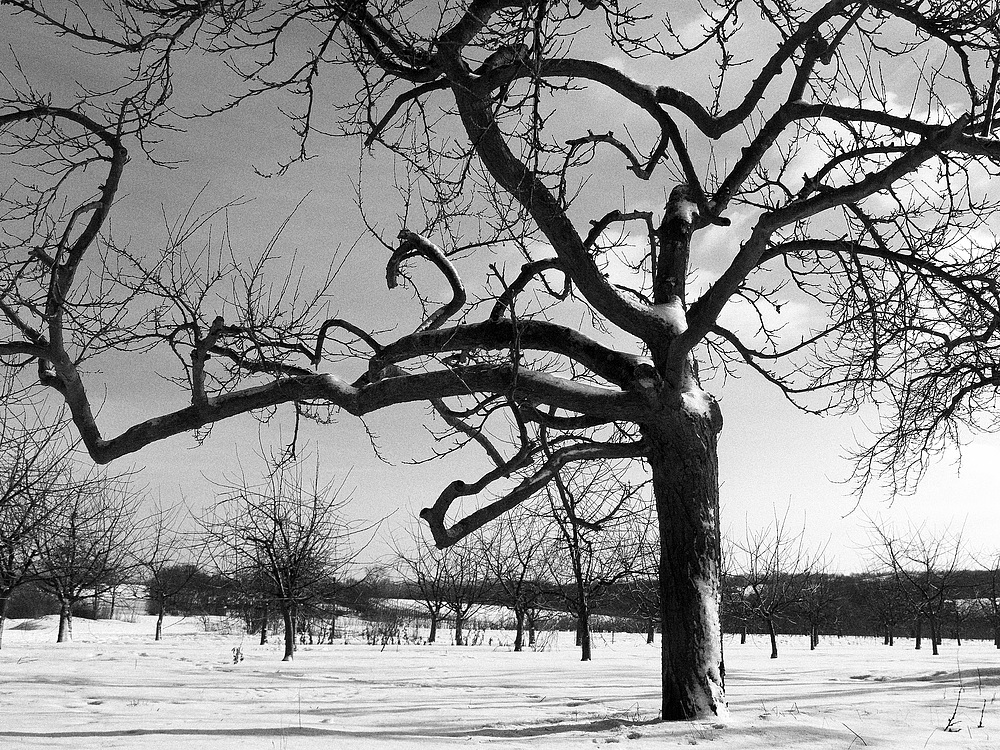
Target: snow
{"points": [[114, 687], [686, 210], [672, 313], [697, 401]]}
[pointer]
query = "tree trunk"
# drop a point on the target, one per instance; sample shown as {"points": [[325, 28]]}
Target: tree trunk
{"points": [[531, 631], [434, 628], [65, 623], [3, 615], [684, 465], [458, 628], [918, 628], [743, 634], [583, 625], [518, 629], [650, 629], [263, 623], [934, 636], [813, 637], [288, 616], [159, 619], [773, 633]]}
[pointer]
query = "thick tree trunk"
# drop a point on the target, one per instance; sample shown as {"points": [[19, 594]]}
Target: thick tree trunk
{"points": [[458, 628], [934, 637], [3, 615], [813, 637], [159, 620], [773, 633], [65, 623], [918, 628], [684, 466], [434, 628], [743, 634], [583, 627], [650, 629], [518, 629], [288, 617]]}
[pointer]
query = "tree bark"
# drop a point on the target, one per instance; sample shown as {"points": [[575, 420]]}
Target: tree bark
{"points": [[934, 636], [65, 623], [531, 631], [263, 624], [918, 628], [650, 630], [684, 463], [518, 630], [434, 628], [458, 628], [159, 620], [288, 616], [3, 615], [583, 626], [773, 633]]}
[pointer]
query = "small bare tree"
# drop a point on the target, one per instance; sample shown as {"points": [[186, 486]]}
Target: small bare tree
{"points": [[776, 568], [514, 551], [34, 476], [423, 567], [284, 537], [87, 546], [925, 565], [593, 506], [167, 558]]}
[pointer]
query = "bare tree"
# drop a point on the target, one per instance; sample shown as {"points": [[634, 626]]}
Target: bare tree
{"points": [[514, 551], [424, 568], [87, 547], [593, 507], [797, 182], [819, 601], [925, 566], [884, 599], [283, 537], [167, 558], [989, 596], [34, 475], [777, 569]]}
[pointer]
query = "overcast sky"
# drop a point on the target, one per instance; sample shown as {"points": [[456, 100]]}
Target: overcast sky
{"points": [[772, 457]]}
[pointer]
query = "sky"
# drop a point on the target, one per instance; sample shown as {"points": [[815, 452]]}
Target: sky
{"points": [[773, 459]]}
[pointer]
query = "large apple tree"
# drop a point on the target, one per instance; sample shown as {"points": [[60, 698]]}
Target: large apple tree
{"points": [[826, 170]]}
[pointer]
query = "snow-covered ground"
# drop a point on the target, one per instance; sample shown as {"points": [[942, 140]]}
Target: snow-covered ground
{"points": [[114, 687]]}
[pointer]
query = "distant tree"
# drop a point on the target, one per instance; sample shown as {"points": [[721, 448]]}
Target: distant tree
{"points": [[87, 547], [820, 601], [989, 596], [283, 538], [166, 558], [925, 564], [514, 551], [641, 584], [593, 507], [422, 565], [467, 584], [776, 568], [34, 478], [881, 596]]}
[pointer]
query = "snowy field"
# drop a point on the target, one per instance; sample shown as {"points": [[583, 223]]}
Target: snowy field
{"points": [[114, 687]]}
